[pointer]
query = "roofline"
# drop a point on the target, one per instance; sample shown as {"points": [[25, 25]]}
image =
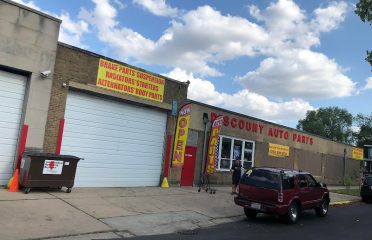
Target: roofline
{"points": [[117, 61], [265, 121], [32, 10]]}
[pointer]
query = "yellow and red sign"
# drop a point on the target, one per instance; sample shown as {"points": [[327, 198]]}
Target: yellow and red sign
{"points": [[277, 150], [358, 153], [212, 146], [128, 80], [181, 135]]}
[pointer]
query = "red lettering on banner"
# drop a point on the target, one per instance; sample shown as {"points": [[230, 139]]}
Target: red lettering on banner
{"points": [[255, 127], [226, 121], [259, 128], [233, 122], [241, 124], [271, 132], [177, 156], [183, 122], [179, 144], [286, 135]]}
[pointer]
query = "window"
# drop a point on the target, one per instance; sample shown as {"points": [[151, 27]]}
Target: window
{"points": [[288, 181], [231, 149], [310, 181], [262, 179]]}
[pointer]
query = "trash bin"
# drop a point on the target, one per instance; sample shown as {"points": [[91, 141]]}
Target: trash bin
{"points": [[47, 170]]}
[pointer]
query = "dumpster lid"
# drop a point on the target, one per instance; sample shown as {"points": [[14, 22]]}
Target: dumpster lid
{"points": [[50, 155]]}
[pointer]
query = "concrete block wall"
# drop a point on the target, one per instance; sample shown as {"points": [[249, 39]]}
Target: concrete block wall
{"points": [[28, 43]]}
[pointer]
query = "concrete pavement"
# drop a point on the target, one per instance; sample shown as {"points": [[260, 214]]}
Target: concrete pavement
{"points": [[106, 213]]}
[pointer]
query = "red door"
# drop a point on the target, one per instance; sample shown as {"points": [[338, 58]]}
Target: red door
{"points": [[187, 176]]}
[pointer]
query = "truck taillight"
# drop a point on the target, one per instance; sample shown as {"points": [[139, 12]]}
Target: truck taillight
{"points": [[280, 197]]}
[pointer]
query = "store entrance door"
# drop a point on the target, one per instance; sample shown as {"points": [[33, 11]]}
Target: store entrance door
{"points": [[187, 176]]}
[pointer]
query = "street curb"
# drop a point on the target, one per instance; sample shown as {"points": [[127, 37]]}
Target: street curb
{"points": [[343, 203]]}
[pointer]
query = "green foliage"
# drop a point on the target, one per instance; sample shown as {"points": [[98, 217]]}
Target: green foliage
{"points": [[364, 136], [332, 122], [347, 182], [364, 11]]}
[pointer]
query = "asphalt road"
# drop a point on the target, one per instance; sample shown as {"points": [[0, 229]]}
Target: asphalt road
{"points": [[351, 222]]}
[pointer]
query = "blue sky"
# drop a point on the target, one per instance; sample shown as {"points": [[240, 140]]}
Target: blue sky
{"points": [[272, 60]]}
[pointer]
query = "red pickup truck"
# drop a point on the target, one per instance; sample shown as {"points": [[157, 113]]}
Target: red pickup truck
{"points": [[281, 192]]}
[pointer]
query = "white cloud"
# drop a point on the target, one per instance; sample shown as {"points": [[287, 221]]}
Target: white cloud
{"points": [[157, 7], [71, 31], [299, 73], [368, 84], [124, 41], [243, 101], [329, 18]]}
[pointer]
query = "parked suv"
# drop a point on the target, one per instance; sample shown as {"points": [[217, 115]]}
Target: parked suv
{"points": [[281, 192], [366, 188]]}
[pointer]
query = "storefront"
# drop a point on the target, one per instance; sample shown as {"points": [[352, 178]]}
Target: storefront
{"points": [[257, 143], [115, 116]]}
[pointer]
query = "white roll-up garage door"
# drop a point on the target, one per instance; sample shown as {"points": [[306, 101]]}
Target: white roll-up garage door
{"points": [[122, 144], [12, 91]]}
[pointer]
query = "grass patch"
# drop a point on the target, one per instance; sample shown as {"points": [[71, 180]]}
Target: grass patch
{"points": [[353, 192]]}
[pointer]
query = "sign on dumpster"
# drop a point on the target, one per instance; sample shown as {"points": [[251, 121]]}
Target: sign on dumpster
{"points": [[53, 167]]}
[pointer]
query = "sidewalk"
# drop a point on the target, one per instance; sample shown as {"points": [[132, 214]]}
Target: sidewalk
{"points": [[104, 213]]}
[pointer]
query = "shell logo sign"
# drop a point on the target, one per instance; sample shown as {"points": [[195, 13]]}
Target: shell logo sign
{"points": [[181, 135]]}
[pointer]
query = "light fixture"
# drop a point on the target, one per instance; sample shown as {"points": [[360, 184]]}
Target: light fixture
{"points": [[45, 74], [65, 85]]}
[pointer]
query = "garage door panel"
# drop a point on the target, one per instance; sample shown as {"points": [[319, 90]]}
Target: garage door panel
{"points": [[115, 111], [114, 108], [75, 136], [12, 90], [104, 122], [103, 144], [122, 145], [97, 152]]}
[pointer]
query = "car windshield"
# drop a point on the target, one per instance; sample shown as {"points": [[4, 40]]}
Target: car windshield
{"points": [[262, 178]]}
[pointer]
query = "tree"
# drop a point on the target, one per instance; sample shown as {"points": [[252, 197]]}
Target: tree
{"points": [[332, 122], [364, 135], [364, 11]]}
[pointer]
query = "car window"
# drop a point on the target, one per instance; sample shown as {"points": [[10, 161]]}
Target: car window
{"points": [[288, 181], [261, 178], [368, 180], [302, 181], [311, 181]]}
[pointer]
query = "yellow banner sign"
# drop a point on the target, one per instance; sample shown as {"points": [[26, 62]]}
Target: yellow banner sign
{"points": [[128, 80], [212, 147], [277, 150], [181, 135], [358, 153]]}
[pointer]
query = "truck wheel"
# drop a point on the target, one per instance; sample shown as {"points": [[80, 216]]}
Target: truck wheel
{"points": [[322, 210], [68, 190], [251, 214], [292, 214]]}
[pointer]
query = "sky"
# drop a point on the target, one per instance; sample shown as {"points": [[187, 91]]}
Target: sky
{"points": [[273, 60]]}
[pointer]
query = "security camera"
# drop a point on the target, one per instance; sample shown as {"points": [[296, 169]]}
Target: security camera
{"points": [[45, 74]]}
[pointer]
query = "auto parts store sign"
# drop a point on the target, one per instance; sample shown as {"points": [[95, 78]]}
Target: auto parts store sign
{"points": [[128, 80]]}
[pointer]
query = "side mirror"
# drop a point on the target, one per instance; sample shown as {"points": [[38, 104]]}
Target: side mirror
{"points": [[324, 185]]}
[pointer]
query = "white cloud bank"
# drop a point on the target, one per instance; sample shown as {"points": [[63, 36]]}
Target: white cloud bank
{"points": [[157, 7], [243, 101], [368, 84], [199, 40]]}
